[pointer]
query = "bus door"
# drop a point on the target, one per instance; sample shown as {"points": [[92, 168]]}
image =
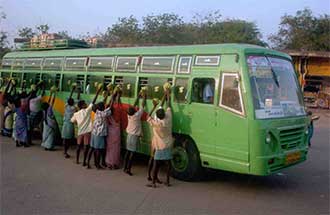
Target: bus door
{"points": [[201, 115], [232, 133]]}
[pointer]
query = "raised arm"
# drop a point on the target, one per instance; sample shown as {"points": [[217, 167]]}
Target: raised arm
{"points": [[72, 90], [97, 94], [78, 93], [168, 98], [53, 100]]}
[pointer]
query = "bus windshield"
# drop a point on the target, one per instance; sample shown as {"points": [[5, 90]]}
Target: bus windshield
{"points": [[274, 87]]}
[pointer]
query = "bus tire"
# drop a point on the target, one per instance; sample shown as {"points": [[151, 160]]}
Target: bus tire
{"points": [[186, 163]]}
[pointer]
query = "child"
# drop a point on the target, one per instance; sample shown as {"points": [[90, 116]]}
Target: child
{"points": [[99, 133], [49, 124], [83, 120], [134, 131], [162, 140], [68, 126]]}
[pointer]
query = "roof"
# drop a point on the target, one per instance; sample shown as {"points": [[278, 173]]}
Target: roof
{"points": [[295, 53], [152, 50]]}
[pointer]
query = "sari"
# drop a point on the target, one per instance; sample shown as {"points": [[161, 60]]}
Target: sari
{"points": [[113, 143], [49, 129], [21, 124]]}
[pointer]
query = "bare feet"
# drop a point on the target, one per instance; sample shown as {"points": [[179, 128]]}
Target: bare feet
{"points": [[66, 155], [167, 184], [151, 185], [158, 181], [149, 178]]}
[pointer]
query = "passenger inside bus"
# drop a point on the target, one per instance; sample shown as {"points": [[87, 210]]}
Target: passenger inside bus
{"points": [[203, 90]]}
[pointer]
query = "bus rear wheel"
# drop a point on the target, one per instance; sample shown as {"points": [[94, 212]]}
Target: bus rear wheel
{"points": [[186, 163]]}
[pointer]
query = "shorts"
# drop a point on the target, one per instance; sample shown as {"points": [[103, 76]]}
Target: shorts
{"points": [[98, 142], [163, 154], [132, 141], [84, 139]]}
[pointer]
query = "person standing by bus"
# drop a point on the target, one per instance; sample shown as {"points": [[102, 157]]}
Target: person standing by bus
{"points": [[162, 140], [68, 126], [134, 131], [84, 123], [49, 123], [112, 157], [99, 133], [34, 108]]}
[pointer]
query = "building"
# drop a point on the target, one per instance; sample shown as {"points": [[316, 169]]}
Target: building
{"points": [[313, 68]]}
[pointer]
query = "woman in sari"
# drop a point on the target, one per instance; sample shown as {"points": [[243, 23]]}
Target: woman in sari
{"points": [[49, 125], [114, 135]]}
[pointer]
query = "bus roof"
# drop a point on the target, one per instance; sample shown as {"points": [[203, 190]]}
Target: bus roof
{"points": [[151, 50]]}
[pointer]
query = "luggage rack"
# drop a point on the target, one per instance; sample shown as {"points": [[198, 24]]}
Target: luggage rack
{"points": [[53, 44]]}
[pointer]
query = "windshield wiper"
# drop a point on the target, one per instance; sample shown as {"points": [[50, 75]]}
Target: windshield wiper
{"points": [[273, 73]]}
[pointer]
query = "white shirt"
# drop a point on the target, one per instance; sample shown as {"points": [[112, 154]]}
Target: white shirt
{"points": [[134, 126], [162, 131], [83, 120]]}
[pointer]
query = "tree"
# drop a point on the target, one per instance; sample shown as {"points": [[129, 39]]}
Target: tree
{"points": [[303, 31], [43, 28], [64, 34], [125, 31], [166, 28], [26, 32], [3, 37]]}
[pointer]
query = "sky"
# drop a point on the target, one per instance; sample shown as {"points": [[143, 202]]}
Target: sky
{"points": [[94, 16]]}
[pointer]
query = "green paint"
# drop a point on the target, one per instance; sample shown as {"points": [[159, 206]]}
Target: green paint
{"points": [[226, 140]]}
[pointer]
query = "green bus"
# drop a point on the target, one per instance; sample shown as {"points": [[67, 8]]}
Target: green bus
{"points": [[236, 107]]}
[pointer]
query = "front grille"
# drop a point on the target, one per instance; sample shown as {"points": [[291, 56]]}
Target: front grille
{"points": [[291, 138]]}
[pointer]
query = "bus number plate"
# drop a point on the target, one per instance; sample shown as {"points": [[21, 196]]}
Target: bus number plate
{"points": [[292, 158]]}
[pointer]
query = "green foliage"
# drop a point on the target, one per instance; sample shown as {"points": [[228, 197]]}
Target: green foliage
{"points": [[3, 37], [304, 31], [26, 32], [42, 29], [169, 28], [125, 31], [64, 34]]}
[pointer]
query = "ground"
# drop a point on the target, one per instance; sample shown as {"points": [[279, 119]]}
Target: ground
{"points": [[34, 181]]}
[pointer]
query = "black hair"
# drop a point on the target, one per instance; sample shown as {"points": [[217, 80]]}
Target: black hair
{"points": [[100, 106], [131, 111], [160, 113], [81, 104], [44, 106], [70, 101]]}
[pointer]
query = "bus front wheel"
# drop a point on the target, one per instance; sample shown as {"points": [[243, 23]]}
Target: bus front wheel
{"points": [[186, 163]]}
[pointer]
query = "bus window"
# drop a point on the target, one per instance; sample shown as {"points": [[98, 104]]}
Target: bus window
{"points": [[52, 64], [157, 64], [203, 90], [51, 79], [184, 65], [154, 86], [19, 63], [75, 63], [180, 90], [31, 78], [207, 60], [127, 64], [127, 84], [33, 63], [7, 63], [17, 77], [94, 80], [230, 95], [101, 64], [68, 80]]}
